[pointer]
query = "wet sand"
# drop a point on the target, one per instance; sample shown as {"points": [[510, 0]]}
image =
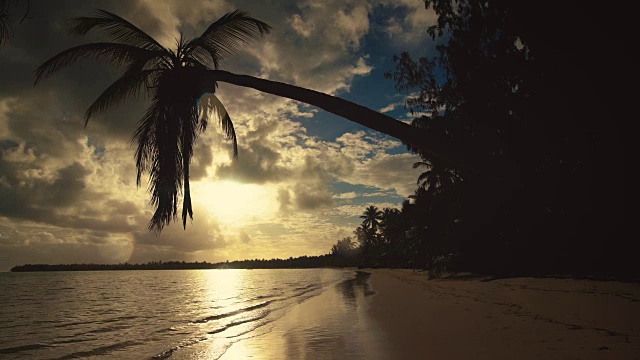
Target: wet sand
{"points": [[410, 317], [334, 325]]}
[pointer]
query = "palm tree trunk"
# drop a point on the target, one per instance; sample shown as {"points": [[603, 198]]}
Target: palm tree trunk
{"points": [[409, 135]]}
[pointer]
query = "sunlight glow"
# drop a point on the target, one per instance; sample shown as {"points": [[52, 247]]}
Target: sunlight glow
{"points": [[236, 204], [223, 286]]}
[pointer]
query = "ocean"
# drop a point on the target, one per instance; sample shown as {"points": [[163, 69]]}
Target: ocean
{"points": [[164, 313]]}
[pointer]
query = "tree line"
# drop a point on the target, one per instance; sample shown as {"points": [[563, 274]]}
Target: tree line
{"points": [[300, 262]]}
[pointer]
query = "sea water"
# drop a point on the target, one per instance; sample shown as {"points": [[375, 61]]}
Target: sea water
{"points": [[150, 314]]}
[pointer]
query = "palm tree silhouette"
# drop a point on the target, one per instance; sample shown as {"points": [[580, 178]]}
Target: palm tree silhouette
{"points": [[343, 247], [176, 79], [436, 178], [167, 132], [372, 217], [389, 222]]}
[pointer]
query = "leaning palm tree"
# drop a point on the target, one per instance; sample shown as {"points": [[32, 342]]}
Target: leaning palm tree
{"points": [[372, 217], [175, 79], [167, 132]]}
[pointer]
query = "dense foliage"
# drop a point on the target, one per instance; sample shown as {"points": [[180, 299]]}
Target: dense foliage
{"points": [[536, 93]]}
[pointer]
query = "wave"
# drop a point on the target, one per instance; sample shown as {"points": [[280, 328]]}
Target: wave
{"points": [[17, 349], [102, 350], [170, 321], [232, 313], [269, 311]]}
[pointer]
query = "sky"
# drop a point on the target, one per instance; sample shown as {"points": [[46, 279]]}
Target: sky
{"points": [[68, 193]]}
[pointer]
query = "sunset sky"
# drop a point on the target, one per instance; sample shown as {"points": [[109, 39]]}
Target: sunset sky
{"points": [[68, 193]]}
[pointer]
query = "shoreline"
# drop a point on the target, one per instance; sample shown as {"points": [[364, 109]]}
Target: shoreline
{"points": [[332, 325], [400, 314]]}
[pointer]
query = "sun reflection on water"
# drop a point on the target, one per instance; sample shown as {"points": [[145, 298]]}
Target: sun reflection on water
{"points": [[223, 286], [333, 325]]}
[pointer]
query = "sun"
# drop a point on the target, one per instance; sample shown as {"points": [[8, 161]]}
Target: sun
{"points": [[234, 203]]}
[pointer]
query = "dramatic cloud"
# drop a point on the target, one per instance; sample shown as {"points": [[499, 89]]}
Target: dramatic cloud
{"points": [[409, 26], [68, 193], [176, 243]]}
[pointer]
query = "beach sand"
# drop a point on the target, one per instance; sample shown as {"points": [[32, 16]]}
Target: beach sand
{"points": [[399, 314], [517, 318]]}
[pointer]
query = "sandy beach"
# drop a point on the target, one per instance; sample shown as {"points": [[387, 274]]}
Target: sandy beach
{"points": [[400, 314], [517, 318]]}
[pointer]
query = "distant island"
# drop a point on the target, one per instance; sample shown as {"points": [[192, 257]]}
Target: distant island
{"points": [[302, 262]]}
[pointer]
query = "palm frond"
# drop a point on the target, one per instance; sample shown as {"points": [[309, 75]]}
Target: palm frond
{"points": [[422, 178], [186, 203], [211, 102], [189, 134], [224, 37], [6, 29], [116, 28], [166, 172], [114, 53], [421, 163], [165, 139], [145, 139], [126, 87], [230, 133], [204, 56]]}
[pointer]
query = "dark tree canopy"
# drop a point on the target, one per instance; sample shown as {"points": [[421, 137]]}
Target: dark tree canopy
{"points": [[541, 89]]}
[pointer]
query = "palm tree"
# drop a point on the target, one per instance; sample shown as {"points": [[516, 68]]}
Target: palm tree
{"points": [[389, 216], [372, 217], [167, 132], [389, 221], [176, 79], [344, 247], [436, 178]]}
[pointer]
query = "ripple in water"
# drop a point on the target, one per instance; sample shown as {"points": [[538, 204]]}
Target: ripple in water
{"points": [[146, 314]]}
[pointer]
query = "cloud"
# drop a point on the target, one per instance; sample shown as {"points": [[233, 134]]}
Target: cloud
{"points": [[69, 193], [310, 197], [409, 27], [387, 172], [390, 107], [284, 200], [244, 237], [347, 195], [352, 23], [300, 27], [325, 36], [22, 243], [176, 243], [51, 174], [258, 164]]}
